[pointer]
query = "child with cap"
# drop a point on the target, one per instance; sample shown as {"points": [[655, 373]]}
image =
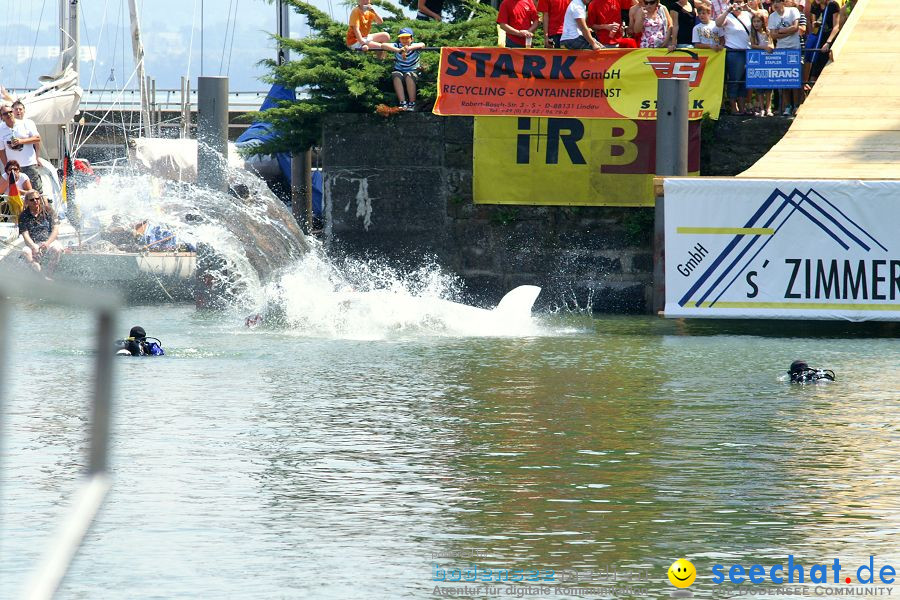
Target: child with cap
{"points": [[406, 63]]}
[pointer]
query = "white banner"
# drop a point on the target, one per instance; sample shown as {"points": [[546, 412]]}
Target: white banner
{"points": [[781, 249]]}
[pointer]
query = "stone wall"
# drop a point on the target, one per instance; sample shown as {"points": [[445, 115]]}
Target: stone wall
{"points": [[400, 189]]}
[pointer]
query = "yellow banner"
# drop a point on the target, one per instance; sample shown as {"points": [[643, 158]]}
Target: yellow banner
{"points": [[568, 161]]}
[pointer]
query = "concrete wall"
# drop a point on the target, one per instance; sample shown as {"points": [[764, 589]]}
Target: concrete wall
{"points": [[400, 188]]}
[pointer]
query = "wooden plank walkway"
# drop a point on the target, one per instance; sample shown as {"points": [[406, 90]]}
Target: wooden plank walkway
{"points": [[849, 126]]}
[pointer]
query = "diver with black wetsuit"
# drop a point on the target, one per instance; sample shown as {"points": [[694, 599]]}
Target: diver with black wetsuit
{"points": [[801, 372], [138, 344]]}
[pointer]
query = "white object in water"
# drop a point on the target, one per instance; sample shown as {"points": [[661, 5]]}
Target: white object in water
{"points": [[385, 310], [514, 306]]}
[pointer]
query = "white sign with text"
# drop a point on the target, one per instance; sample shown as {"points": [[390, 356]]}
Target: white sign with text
{"points": [[782, 249]]}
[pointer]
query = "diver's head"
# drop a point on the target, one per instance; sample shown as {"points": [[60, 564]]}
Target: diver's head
{"points": [[137, 332], [798, 366]]}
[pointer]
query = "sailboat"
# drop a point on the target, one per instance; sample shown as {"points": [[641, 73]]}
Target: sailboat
{"points": [[147, 273], [156, 269]]}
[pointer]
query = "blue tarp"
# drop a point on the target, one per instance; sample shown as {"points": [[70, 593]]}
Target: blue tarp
{"points": [[317, 192], [261, 131]]}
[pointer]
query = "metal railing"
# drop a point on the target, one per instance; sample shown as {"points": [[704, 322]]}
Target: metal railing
{"points": [[165, 99], [47, 577]]}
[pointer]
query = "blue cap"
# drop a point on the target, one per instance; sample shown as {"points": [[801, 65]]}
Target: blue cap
{"points": [[405, 31]]}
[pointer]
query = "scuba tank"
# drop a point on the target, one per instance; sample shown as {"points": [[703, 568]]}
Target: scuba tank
{"points": [[146, 346]]}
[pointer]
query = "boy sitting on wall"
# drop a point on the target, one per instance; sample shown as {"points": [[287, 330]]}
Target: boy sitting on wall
{"points": [[406, 63]]}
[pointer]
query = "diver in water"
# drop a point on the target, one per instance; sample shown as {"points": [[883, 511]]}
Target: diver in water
{"points": [[138, 344], [801, 372]]}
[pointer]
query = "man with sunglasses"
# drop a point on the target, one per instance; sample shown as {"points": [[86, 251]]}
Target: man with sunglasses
{"points": [[20, 141], [39, 227]]}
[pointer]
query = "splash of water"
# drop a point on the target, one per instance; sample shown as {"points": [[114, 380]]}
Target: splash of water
{"points": [[271, 269], [251, 234], [353, 299]]}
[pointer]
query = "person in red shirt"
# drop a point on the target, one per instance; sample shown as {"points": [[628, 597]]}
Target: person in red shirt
{"points": [[552, 12], [604, 17], [519, 19]]}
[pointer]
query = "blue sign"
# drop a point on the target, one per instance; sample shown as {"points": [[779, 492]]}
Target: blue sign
{"points": [[781, 69]]}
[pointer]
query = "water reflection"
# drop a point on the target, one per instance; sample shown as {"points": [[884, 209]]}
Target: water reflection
{"points": [[260, 464]]}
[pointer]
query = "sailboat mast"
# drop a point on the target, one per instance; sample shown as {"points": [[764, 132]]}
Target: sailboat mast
{"points": [[283, 29], [63, 31], [69, 53], [137, 47], [74, 37]]}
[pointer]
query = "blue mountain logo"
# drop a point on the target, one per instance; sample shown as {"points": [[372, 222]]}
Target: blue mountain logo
{"points": [[768, 220]]}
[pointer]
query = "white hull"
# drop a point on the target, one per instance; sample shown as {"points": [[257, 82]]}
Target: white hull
{"points": [[140, 277]]}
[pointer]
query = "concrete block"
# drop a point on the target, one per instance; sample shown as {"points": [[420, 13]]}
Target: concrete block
{"points": [[379, 202]]}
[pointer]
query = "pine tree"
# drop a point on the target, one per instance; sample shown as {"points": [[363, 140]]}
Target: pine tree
{"points": [[332, 79]]}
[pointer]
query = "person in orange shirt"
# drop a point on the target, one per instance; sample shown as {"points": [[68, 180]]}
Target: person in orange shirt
{"points": [[361, 18]]}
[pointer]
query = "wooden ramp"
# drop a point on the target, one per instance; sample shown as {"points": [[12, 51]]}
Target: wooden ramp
{"points": [[849, 126]]}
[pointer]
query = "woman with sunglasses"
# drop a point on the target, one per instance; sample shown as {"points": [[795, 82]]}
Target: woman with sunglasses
{"points": [[654, 25], [13, 173], [13, 184]]}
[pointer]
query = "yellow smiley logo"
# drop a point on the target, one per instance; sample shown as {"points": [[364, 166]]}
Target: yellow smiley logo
{"points": [[682, 573]]}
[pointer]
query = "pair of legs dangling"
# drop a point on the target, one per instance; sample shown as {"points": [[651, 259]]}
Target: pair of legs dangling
{"points": [[405, 82]]}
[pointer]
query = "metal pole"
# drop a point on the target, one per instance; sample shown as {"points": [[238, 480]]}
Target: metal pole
{"points": [[298, 201], [43, 583], [137, 48], [186, 108], [152, 88], [181, 106], [283, 29], [63, 32], [145, 108], [73, 32], [4, 352], [106, 323], [307, 183], [212, 132], [201, 38], [671, 159], [672, 127]]}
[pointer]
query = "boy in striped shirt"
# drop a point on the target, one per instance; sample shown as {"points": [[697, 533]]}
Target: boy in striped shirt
{"points": [[406, 63]]}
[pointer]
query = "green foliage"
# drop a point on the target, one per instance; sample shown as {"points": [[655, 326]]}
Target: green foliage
{"points": [[459, 10], [638, 225], [331, 79]]}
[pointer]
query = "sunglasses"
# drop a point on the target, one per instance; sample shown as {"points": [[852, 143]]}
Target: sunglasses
{"points": [[5, 114], [12, 170]]}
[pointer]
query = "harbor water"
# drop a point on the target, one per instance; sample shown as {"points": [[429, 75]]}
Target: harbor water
{"points": [[344, 461]]}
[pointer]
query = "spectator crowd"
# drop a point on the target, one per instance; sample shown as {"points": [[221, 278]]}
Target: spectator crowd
{"points": [[22, 189], [735, 26]]}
